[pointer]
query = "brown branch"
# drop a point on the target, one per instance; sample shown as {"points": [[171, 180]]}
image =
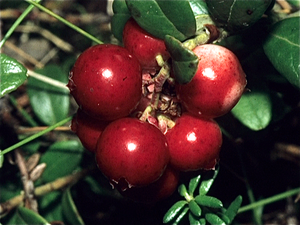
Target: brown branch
{"points": [[42, 190]]}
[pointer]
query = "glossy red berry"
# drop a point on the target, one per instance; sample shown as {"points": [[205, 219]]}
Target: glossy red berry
{"points": [[143, 45], [163, 188], [131, 152], [106, 81], [217, 85], [88, 129], [194, 143]]}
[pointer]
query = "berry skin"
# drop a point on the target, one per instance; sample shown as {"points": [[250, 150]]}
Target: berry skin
{"points": [[143, 45], [131, 153], [164, 187], [217, 85], [106, 82], [87, 129], [194, 143]]}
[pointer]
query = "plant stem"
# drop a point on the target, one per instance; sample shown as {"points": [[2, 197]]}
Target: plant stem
{"points": [[47, 80], [16, 23], [79, 30], [269, 200], [35, 136]]}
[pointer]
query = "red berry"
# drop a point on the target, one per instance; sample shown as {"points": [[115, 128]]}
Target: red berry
{"points": [[217, 85], [159, 190], [87, 129], [194, 143], [131, 152], [106, 81], [143, 45]]}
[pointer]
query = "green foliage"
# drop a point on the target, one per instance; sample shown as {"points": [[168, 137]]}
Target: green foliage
{"points": [[119, 19], [27, 216], [237, 15], [184, 61], [12, 74], [202, 208], [50, 104], [282, 48]]}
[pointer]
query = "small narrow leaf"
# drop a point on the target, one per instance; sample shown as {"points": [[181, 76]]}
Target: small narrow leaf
{"points": [[181, 215], [174, 211], [207, 181], [1, 159], [254, 110], [233, 208], [193, 220], [208, 201], [30, 217], [184, 61], [282, 48], [182, 190], [69, 209], [195, 208], [193, 184], [12, 74], [214, 219]]}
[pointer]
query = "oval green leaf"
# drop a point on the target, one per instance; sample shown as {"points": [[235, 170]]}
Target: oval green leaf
{"points": [[194, 220], [193, 184], [282, 47], [50, 206], [208, 201], [69, 209], [184, 61], [174, 211], [207, 181], [233, 208], [195, 208], [12, 74], [119, 19], [236, 15], [182, 190], [49, 103], [254, 110], [151, 18], [30, 217], [214, 219], [61, 158], [181, 215], [180, 14]]}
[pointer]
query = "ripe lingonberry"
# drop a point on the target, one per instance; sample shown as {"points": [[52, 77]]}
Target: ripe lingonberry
{"points": [[217, 85], [106, 81], [131, 152]]}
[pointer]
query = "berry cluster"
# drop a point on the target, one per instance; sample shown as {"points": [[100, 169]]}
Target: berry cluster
{"points": [[143, 126]]}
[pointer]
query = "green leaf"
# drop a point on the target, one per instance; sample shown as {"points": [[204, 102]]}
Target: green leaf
{"points": [[182, 190], [282, 48], [254, 110], [193, 220], [61, 158], [207, 181], [180, 14], [223, 217], [69, 209], [119, 19], [214, 219], [208, 201], [181, 215], [12, 74], [195, 208], [151, 18], [193, 184], [50, 206], [174, 211], [50, 104], [30, 217], [236, 15], [233, 208], [184, 61]]}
